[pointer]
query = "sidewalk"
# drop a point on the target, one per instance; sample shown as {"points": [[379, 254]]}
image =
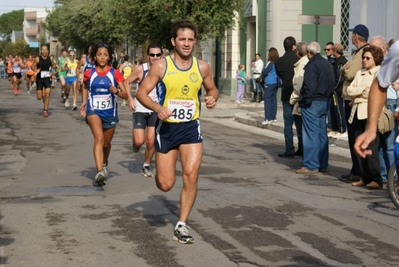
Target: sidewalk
{"points": [[252, 114]]}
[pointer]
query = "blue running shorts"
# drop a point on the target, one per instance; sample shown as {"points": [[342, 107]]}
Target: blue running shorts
{"points": [[170, 136]]}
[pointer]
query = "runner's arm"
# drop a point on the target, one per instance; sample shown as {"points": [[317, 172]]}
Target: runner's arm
{"points": [[212, 93], [151, 80], [135, 76]]}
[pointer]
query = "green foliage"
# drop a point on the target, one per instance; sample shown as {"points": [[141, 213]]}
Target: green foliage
{"points": [[11, 21], [81, 23], [20, 47], [151, 20]]}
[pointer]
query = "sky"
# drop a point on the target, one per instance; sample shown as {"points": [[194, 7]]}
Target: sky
{"points": [[8, 6]]}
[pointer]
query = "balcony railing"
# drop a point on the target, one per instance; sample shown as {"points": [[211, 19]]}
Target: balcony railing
{"points": [[30, 15], [31, 31]]}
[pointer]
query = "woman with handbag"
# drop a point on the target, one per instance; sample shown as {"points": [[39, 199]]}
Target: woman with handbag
{"points": [[359, 91], [271, 81]]}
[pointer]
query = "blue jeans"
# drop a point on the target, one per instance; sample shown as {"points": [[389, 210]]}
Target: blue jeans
{"points": [[386, 148], [314, 136], [270, 101], [288, 132], [257, 87]]}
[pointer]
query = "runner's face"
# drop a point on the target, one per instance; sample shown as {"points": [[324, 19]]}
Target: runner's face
{"points": [[102, 57], [44, 51], [64, 54], [154, 55], [184, 42]]}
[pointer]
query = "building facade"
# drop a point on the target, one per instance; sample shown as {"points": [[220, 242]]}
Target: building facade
{"points": [[265, 24], [34, 32]]}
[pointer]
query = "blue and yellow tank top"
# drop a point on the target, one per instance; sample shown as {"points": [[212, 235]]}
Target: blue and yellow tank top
{"points": [[181, 91]]}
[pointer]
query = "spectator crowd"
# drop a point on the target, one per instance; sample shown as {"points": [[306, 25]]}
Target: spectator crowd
{"points": [[326, 97]]}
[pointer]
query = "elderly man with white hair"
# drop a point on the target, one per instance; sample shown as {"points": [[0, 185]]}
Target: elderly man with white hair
{"points": [[317, 89]]}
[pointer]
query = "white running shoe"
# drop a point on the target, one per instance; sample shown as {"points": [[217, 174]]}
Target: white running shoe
{"points": [[237, 102], [74, 107], [100, 178], [105, 170], [66, 103], [266, 122], [146, 171]]}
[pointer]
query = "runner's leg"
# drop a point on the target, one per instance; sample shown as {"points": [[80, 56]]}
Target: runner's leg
{"points": [[165, 164], [108, 135], [96, 128], [190, 157], [150, 148]]}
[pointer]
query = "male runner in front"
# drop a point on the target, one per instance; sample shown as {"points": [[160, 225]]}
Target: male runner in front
{"points": [[178, 131]]}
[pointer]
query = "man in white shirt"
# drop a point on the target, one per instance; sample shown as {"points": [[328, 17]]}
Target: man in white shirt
{"points": [[257, 68]]}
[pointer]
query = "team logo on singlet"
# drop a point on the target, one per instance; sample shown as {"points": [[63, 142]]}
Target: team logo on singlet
{"points": [[185, 89], [193, 77]]}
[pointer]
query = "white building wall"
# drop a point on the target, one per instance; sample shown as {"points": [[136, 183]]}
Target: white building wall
{"points": [[282, 21], [380, 17]]}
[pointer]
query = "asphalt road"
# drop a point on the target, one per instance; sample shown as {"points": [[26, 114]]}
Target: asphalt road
{"points": [[251, 209]]}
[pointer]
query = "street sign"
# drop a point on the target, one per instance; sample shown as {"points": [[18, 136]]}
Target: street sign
{"points": [[316, 20], [34, 44]]}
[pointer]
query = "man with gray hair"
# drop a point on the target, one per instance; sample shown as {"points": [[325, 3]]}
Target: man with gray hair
{"points": [[297, 82], [317, 89]]}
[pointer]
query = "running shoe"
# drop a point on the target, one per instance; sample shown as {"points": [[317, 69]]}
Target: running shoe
{"points": [[182, 235], [66, 103], [105, 170], [45, 113], [136, 149], [18, 91], [146, 171], [33, 86], [74, 107], [100, 178]]}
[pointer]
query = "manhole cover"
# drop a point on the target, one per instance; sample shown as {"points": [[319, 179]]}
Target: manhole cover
{"points": [[70, 189]]}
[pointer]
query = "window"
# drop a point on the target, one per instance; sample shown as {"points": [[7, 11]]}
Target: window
{"points": [[345, 4]]}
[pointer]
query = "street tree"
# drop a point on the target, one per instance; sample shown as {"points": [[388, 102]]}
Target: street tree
{"points": [[11, 21], [82, 23], [151, 19], [20, 47]]}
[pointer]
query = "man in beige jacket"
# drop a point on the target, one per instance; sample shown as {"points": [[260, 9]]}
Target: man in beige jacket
{"points": [[297, 82], [360, 35]]}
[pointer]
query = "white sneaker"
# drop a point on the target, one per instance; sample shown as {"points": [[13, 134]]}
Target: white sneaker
{"points": [[242, 101], [100, 178], [237, 102], [66, 103], [74, 107], [340, 135], [331, 134], [274, 120], [266, 122], [105, 170]]}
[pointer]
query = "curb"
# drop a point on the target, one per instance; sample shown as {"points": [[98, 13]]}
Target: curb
{"points": [[255, 119]]}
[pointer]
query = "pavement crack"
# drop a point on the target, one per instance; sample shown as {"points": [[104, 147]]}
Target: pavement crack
{"points": [[313, 193]]}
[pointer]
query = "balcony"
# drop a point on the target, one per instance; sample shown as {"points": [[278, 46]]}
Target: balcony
{"points": [[30, 15], [31, 31]]}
